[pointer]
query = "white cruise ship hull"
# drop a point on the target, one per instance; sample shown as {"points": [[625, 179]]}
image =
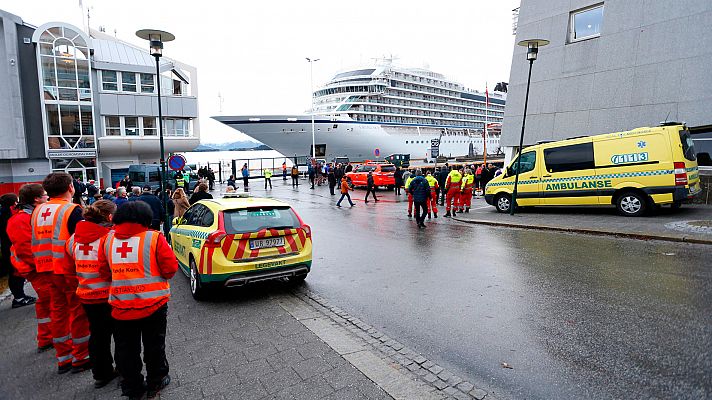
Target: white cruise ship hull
{"points": [[357, 140]]}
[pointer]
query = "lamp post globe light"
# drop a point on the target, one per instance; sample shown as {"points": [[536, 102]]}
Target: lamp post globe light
{"points": [[311, 94], [156, 39], [532, 46]]}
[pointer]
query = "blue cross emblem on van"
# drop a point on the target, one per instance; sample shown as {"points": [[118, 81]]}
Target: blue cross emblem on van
{"points": [[642, 144]]}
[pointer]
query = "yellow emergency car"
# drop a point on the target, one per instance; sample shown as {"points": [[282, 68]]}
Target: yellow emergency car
{"points": [[633, 170], [237, 240]]}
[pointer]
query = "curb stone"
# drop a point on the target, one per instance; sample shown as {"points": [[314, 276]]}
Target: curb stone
{"points": [[638, 236], [419, 367]]}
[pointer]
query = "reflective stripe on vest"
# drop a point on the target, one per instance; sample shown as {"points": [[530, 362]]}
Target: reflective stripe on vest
{"points": [[49, 234], [134, 285], [86, 260]]}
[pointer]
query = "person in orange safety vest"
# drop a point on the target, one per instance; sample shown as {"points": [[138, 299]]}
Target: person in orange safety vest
{"points": [[452, 185], [468, 184], [52, 224], [140, 262], [19, 230], [93, 290]]}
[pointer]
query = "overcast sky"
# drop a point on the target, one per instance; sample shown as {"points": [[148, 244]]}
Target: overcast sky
{"points": [[253, 52]]}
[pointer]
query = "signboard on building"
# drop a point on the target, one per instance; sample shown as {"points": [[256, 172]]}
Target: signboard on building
{"points": [[434, 152], [71, 153]]}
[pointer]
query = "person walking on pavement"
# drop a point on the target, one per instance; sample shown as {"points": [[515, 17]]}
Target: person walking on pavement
{"points": [[370, 187], [16, 282], [442, 179], [140, 263], [126, 182], [79, 188], [284, 171], [211, 178], [420, 189], [19, 229], [295, 176], [433, 200], [452, 186], [52, 224], [159, 213], [201, 193], [92, 191], [311, 171], [408, 181], [398, 176], [344, 192], [180, 203], [332, 181], [268, 177], [245, 177], [93, 290], [468, 182]]}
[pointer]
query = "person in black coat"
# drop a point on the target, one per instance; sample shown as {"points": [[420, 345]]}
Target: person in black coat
{"points": [[442, 178], [159, 213], [370, 187], [332, 180], [398, 175], [200, 193], [420, 189]]}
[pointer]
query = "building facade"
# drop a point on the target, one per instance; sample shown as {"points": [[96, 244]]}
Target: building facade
{"points": [[612, 65], [86, 104]]}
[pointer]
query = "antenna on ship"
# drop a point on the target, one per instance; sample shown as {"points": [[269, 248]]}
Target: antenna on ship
{"points": [[221, 99]]}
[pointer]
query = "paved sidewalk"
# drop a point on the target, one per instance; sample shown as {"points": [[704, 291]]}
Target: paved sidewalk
{"points": [[691, 223], [266, 341]]}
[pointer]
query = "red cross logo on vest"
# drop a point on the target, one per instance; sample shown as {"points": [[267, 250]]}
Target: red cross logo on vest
{"points": [[86, 248], [123, 249], [46, 214]]}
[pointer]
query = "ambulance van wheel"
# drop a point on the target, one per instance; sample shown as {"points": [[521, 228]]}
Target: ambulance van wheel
{"points": [[196, 287], [631, 204], [502, 202]]}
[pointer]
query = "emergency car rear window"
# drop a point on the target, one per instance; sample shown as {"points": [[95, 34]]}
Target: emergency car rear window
{"points": [[258, 218], [366, 168], [389, 168], [688, 147]]}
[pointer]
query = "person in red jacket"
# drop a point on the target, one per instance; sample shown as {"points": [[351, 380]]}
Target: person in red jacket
{"points": [[20, 232], [93, 289], [140, 262]]}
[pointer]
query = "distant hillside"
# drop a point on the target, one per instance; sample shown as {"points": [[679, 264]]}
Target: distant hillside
{"points": [[232, 146]]}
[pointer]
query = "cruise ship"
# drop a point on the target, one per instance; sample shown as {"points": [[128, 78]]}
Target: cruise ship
{"points": [[370, 113]]}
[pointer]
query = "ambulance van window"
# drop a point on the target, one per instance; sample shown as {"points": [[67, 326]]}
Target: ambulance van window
{"points": [[528, 162], [569, 158]]}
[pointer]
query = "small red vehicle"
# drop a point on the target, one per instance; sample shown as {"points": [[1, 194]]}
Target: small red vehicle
{"points": [[382, 174]]}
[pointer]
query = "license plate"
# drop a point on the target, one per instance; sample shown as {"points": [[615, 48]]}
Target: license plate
{"points": [[266, 242]]}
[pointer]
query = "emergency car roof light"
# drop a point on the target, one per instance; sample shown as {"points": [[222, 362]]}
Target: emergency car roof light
{"points": [[235, 195]]}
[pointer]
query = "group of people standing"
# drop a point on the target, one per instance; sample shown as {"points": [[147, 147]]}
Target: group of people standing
{"points": [[100, 271]]}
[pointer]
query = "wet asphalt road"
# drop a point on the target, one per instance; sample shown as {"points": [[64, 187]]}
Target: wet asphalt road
{"points": [[575, 316]]}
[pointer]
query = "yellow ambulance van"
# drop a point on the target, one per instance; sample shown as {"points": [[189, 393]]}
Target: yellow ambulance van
{"points": [[634, 170]]}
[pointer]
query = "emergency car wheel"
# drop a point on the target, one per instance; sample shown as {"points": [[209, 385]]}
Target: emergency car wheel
{"points": [[631, 204], [502, 203], [196, 287]]}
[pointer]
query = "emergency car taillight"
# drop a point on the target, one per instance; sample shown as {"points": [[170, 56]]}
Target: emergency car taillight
{"points": [[307, 230], [680, 174], [215, 238]]}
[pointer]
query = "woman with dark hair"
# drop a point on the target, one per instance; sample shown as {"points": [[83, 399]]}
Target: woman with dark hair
{"points": [[93, 289], [201, 193], [140, 263]]}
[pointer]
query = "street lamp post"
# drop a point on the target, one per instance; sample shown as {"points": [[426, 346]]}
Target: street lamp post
{"points": [[156, 39], [532, 46], [311, 93]]}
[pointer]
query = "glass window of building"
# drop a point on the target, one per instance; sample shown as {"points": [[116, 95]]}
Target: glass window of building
{"points": [[113, 126], [128, 82], [131, 126], [586, 23], [147, 84], [149, 126], [109, 80]]}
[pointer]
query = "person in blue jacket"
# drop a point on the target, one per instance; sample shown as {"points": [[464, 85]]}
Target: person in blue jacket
{"points": [[420, 189]]}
